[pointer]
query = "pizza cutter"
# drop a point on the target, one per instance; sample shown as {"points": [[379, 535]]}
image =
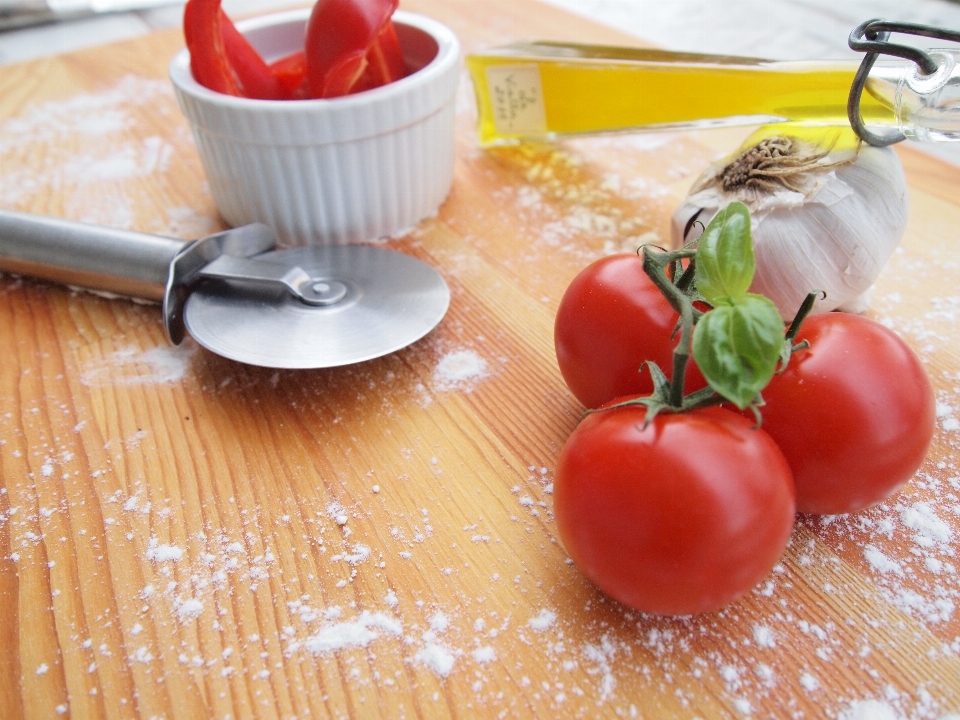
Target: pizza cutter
{"points": [[236, 294]]}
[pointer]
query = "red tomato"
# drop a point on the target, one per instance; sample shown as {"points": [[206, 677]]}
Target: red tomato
{"points": [[853, 414], [682, 517], [611, 319]]}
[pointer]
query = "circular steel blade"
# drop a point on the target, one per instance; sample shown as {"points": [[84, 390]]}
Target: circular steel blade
{"points": [[391, 301]]}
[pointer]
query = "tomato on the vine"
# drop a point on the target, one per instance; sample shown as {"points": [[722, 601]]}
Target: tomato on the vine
{"points": [[612, 319], [682, 516], [853, 414]]}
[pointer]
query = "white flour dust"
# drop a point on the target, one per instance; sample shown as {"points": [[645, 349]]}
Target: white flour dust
{"points": [[94, 151], [563, 205], [132, 366], [342, 611], [459, 370], [163, 553], [359, 632], [870, 710]]}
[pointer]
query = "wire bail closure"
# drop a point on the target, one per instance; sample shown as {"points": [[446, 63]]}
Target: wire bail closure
{"points": [[870, 37]]}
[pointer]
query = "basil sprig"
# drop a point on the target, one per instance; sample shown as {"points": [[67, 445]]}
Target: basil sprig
{"points": [[737, 338], [738, 343]]}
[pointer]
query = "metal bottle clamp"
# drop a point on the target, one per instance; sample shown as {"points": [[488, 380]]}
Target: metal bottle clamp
{"points": [[870, 37]]}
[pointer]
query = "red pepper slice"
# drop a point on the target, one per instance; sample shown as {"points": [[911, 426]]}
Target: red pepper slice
{"points": [[291, 73], [385, 61], [208, 56], [222, 59], [351, 46], [254, 76]]}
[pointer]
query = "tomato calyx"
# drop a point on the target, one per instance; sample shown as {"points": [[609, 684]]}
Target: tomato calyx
{"points": [[789, 346], [681, 292], [739, 341]]}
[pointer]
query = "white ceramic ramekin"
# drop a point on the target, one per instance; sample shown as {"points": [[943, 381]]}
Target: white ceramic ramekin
{"points": [[342, 170]]}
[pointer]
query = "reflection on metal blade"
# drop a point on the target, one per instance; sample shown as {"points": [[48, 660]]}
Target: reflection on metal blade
{"points": [[391, 301]]}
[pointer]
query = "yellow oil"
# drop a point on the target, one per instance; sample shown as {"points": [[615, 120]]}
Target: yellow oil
{"points": [[539, 90]]}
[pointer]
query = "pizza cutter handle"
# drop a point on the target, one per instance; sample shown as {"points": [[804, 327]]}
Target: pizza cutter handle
{"points": [[108, 260]]}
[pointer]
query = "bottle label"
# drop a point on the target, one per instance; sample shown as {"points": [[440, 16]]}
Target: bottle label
{"points": [[517, 99]]}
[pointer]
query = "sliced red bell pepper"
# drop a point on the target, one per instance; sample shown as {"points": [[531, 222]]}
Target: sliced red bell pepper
{"points": [[202, 28], [351, 46], [385, 61], [254, 76], [222, 59], [291, 73]]}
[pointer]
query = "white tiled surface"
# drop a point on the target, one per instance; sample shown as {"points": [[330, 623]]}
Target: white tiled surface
{"points": [[778, 29]]}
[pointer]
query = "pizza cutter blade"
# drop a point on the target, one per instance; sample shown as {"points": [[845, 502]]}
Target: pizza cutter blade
{"points": [[379, 301], [305, 307]]}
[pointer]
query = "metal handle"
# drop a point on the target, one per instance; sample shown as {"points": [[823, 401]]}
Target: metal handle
{"points": [[90, 256], [16, 14], [264, 274]]}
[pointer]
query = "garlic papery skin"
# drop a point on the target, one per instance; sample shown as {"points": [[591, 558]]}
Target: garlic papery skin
{"points": [[831, 227]]}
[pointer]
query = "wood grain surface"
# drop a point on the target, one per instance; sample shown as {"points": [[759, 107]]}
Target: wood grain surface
{"points": [[186, 537]]}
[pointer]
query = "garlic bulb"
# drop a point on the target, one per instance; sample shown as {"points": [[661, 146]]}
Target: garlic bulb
{"points": [[822, 219]]}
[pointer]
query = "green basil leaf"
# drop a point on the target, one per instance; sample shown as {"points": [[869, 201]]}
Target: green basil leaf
{"points": [[725, 264], [737, 347]]}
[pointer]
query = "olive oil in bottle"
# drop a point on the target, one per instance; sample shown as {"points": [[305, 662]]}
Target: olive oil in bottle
{"points": [[542, 90]]}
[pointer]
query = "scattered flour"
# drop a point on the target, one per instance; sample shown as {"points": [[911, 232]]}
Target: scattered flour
{"points": [[163, 553], [543, 620], [91, 115], [439, 622], [131, 366], [763, 636], [437, 658], [870, 710], [359, 632], [92, 156], [880, 562], [600, 656], [930, 530], [485, 654], [809, 683], [150, 156], [358, 554], [189, 609], [459, 370]]}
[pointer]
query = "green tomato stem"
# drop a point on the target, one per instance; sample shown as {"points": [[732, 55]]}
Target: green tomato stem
{"points": [[704, 397], [805, 307], [655, 266], [729, 261], [685, 280]]}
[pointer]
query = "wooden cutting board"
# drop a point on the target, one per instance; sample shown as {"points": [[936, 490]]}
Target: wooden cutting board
{"points": [[182, 536]]}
